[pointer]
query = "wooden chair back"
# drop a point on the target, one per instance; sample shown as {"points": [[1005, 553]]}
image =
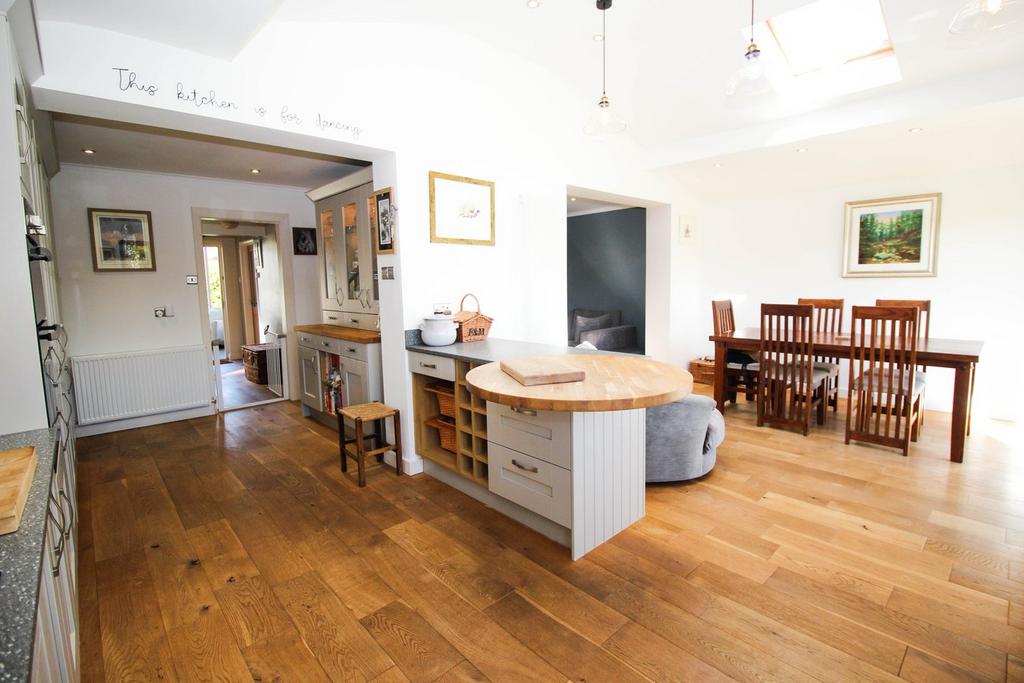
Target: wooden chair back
{"points": [[828, 319], [721, 315], [883, 360], [924, 314], [786, 356]]}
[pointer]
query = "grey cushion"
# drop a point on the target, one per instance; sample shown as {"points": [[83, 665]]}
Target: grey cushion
{"points": [[753, 367], [585, 324], [574, 331], [617, 338], [830, 368], [919, 381], [683, 438]]}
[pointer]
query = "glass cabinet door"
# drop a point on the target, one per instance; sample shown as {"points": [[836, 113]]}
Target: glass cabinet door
{"points": [[349, 268]]}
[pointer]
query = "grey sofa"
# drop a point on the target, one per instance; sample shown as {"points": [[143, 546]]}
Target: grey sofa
{"points": [[683, 438], [603, 329]]}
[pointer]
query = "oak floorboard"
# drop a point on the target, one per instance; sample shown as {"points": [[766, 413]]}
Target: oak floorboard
{"points": [[233, 546]]}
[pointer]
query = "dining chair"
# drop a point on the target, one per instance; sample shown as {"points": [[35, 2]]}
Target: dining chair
{"points": [[924, 321], [790, 386], [828, 321], [741, 369], [885, 394]]}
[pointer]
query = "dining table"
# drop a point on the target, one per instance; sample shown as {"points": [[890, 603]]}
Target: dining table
{"points": [[962, 355]]}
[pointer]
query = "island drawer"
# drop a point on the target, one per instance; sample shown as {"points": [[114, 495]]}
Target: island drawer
{"points": [[540, 433], [532, 483], [434, 366]]}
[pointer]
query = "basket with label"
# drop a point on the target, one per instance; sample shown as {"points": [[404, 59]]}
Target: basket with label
{"points": [[473, 326]]}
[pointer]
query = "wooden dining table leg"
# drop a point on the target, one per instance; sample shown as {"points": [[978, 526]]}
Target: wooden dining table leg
{"points": [[721, 352], [970, 398], [961, 410]]}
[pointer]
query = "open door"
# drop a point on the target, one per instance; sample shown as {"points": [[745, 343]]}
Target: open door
{"points": [[250, 258]]}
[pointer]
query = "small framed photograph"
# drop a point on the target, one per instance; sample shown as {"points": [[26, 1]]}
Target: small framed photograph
{"points": [[892, 237], [461, 210], [122, 240], [304, 241], [382, 221]]}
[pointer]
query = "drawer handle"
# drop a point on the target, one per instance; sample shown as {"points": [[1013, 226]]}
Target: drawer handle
{"points": [[327, 344], [351, 350], [432, 366], [531, 470], [524, 411], [354, 320], [332, 317]]}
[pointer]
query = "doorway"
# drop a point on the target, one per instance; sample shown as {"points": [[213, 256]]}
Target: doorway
{"points": [[244, 304]]}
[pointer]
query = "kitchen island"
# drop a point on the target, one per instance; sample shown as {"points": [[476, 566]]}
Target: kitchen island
{"points": [[566, 460]]}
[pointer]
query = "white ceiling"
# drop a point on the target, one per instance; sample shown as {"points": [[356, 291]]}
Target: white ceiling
{"points": [[668, 61], [979, 137], [218, 28], [159, 151], [580, 206]]}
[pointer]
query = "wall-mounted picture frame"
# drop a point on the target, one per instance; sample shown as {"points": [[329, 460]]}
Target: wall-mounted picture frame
{"points": [[304, 241], [892, 237], [461, 210], [383, 223], [122, 240]]}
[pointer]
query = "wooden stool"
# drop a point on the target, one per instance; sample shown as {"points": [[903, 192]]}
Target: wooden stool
{"points": [[373, 412]]}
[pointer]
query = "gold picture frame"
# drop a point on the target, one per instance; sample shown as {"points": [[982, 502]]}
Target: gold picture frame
{"points": [[892, 236], [461, 210]]}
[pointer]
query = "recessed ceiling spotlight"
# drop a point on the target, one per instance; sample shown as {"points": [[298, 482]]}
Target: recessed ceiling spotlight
{"points": [[598, 37], [801, 150], [533, 4], [572, 199], [255, 171], [915, 131], [718, 164], [86, 150]]}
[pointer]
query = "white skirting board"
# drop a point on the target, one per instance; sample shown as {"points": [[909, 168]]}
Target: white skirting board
{"points": [[120, 386], [609, 467]]}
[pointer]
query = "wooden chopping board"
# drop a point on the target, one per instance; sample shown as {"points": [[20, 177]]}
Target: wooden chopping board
{"points": [[542, 370], [17, 466]]}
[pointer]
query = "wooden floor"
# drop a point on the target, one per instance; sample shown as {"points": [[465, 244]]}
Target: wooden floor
{"points": [[238, 391], [228, 548]]}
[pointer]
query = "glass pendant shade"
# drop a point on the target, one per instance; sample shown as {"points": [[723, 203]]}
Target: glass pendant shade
{"points": [[980, 17], [750, 81], [603, 120]]}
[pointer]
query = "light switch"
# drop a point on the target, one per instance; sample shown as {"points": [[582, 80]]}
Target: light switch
{"points": [[387, 272], [191, 279]]}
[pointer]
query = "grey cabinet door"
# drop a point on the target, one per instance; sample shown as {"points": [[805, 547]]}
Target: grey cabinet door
{"points": [[357, 381], [309, 369]]}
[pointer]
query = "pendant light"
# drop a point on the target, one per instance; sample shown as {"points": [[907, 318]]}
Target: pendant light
{"points": [[603, 120], [982, 18], [750, 81]]}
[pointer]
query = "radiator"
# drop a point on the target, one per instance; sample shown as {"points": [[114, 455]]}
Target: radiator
{"points": [[123, 385]]}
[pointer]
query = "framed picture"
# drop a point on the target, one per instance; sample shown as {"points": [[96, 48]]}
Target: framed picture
{"points": [[382, 221], [892, 237], [122, 240], [304, 241], [461, 209]]}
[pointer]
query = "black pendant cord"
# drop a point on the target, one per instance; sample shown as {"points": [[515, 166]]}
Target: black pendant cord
{"points": [[751, 20], [604, 53]]}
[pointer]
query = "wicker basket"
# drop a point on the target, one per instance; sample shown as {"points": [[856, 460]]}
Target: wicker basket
{"points": [[473, 326], [445, 398], [445, 431], [703, 370]]}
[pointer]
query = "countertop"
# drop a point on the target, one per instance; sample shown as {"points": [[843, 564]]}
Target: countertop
{"points": [[352, 334], [613, 382], [21, 558], [491, 350]]}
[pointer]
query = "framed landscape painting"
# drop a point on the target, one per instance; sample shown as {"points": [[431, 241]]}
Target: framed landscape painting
{"points": [[892, 237], [122, 240]]}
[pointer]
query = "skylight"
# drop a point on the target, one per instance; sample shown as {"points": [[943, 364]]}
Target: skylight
{"points": [[831, 33]]}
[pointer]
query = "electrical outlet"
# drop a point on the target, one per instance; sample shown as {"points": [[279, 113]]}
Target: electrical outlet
{"points": [[442, 309], [191, 279]]}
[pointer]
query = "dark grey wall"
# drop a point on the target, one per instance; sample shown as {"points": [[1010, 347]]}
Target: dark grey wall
{"points": [[607, 263]]}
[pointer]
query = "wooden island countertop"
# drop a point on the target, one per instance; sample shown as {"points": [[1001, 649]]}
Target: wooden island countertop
{"points": [[352, 334], [613, 382]]}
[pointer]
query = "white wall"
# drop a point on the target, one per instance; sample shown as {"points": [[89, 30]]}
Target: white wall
{"points": [[774, 249], [113, 312]]}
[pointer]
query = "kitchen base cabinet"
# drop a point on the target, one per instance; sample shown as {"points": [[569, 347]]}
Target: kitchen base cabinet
{"points": [[355, 364]]}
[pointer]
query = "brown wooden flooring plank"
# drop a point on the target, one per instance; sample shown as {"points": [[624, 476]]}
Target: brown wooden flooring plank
{"points": [[89, 637], [221, 553], [113, 523], [252, 611], [204, 650], [194, 507], [747, 542], [462, 673], [340, 644], [418, 650], [1014, 670], [570, 653], [283, 658], [920, 667], [658, 659], [865, 644], [922, 635], [182, 588]]}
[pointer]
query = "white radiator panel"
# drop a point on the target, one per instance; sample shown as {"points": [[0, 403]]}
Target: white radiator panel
{"points": [[124, 385]]}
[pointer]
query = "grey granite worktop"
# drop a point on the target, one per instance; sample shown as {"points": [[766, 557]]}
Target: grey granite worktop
{"points": [[490, 350], [21, 558]]}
